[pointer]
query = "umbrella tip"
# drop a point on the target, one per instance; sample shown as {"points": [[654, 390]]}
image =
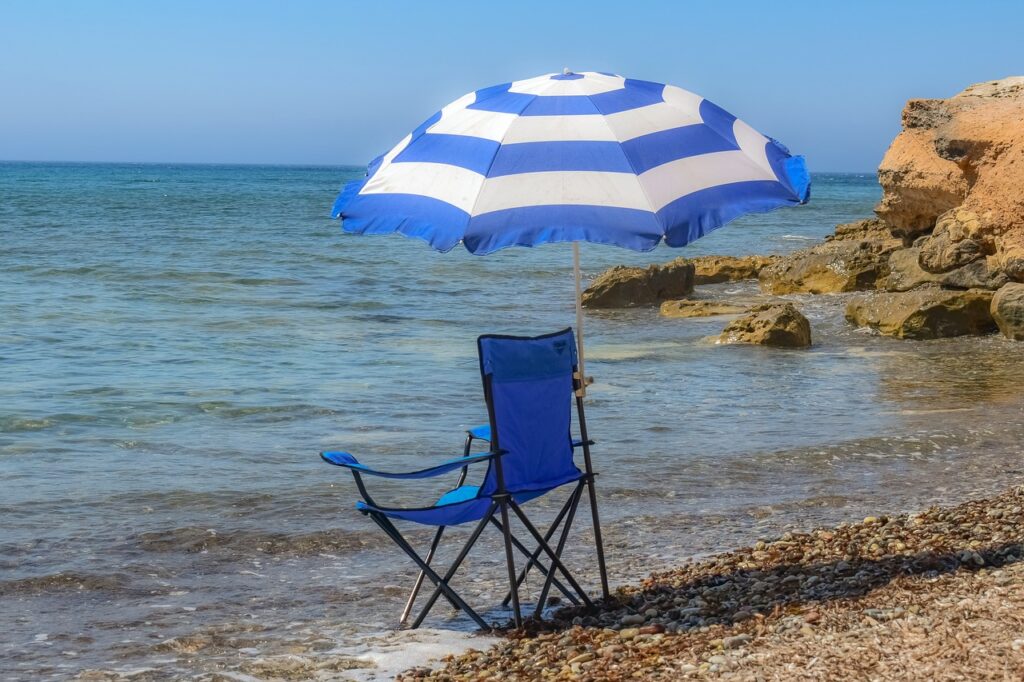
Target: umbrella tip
{"points": [[566, 71]]}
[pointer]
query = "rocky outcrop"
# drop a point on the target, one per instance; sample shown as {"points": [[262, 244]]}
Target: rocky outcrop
{"points": [[716, 269], [770, 324], [688, 307], [953, 178], [926, 313], [906, 273], [1008, 311], [625, 287], [854, 259], [866, 230]]}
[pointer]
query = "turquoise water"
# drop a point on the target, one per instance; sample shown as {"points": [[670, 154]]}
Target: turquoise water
{"points": [[178, 342]]}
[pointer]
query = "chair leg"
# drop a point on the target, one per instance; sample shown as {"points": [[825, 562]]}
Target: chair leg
{"points": [[574, 503], [419, 579], [598, 542], [510, 561], [437, 538], [533, 560], [442, 583], [555, 561], [536, 554]]}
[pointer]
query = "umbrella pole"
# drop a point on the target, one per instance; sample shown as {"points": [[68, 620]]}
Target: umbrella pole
{"points": [[579, 316]]}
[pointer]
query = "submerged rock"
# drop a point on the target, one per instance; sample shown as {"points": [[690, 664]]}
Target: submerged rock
{"points": [[770, 324], [626, 287], [700, 308], [1008, 311], [855, 259], [927, 313]]}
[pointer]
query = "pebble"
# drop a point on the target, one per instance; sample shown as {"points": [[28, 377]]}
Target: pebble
{"points": [[736, 641], [629, 633]]}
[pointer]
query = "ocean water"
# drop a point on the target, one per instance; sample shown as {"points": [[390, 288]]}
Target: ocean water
{"points": [[177, 343]]}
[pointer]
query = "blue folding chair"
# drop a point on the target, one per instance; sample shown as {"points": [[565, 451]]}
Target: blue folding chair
{"points": [[529, 385]]}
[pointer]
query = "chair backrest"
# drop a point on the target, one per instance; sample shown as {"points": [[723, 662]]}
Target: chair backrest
{"points": [[528, 385]]}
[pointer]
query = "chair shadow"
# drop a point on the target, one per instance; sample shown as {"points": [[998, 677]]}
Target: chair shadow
{"points": [[733, 596]]}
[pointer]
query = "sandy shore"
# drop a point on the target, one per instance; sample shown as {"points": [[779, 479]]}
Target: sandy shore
{"points": [[932, 596]]}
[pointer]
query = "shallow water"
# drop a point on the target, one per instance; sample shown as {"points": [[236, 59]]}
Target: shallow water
{"points": [[178, 342]]}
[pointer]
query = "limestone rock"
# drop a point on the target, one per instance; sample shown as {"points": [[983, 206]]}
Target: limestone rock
{"points": [[700, 308], [1008, 311], [626, 287], [715, 269], [955, 242], [926, 313], [954, 175], [854, 260], [770, 324], [906, 273], [981, 274], [868, 229]]}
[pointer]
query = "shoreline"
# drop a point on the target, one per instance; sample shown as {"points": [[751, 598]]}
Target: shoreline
{"points": [[928, 595]]}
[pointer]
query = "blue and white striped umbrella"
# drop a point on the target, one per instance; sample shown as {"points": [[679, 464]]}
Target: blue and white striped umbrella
{"points": [[572, 157]]}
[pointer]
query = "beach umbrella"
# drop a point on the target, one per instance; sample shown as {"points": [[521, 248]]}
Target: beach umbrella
{"points": [[572, 157]]}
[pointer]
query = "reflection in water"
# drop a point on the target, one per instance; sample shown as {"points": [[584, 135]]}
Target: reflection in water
{"points": [[977, 373]]}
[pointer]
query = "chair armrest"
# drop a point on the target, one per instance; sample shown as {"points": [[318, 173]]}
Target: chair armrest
{"points": [[344, 459], [581, 443]]}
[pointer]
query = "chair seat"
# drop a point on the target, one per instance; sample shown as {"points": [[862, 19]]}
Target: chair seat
{"points": [[459, 505], [460, 494]]}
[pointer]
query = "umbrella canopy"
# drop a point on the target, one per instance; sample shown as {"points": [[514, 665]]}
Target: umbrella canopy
{"points": [[572, 157]]}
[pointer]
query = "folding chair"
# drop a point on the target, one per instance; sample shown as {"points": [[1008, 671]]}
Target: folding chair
{"points": [[529, 384]]}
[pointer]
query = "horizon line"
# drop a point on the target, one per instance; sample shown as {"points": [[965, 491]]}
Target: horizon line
{"points": [[873, 171]]}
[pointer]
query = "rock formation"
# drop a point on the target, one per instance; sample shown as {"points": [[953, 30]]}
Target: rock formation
{"points": [[625, 287], [925, 313], [854, 259], [688, 307], [1008, 311], [715, 269], [954, 176], [770, 324]]}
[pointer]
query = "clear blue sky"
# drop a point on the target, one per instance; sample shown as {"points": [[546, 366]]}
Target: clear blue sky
{"points": [[319, 81]]}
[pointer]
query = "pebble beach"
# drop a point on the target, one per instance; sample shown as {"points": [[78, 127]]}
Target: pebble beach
{"points": [[928, 596]]}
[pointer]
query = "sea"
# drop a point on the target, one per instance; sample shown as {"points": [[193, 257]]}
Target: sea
{"points": [[179, 342]]}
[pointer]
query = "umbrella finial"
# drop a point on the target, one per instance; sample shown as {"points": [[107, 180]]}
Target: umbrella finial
{"points": [[566, 71]]}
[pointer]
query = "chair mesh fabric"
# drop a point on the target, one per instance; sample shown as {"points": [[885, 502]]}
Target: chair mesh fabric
{"points": [[529, 387]]}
